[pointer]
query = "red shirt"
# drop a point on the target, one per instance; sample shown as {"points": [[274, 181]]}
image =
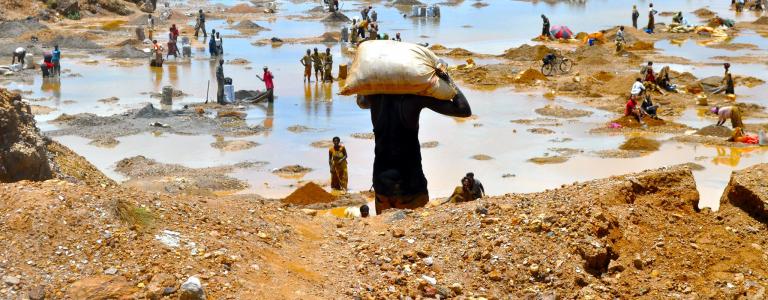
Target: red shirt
{"points": [[268, 80], [631, 104]]}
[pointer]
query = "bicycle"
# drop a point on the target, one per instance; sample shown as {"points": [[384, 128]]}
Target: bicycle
{"points": [[554, 62]]}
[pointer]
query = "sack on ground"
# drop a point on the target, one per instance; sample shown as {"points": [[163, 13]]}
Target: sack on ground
{"points": [[390, 67]]}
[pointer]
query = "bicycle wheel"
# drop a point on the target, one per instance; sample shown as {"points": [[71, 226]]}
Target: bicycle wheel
{"points": [[565, 65], [547, 69]]}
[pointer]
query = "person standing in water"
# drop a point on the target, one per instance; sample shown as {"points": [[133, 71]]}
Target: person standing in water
{"points": [[268, 82], [317, 60], [306, 61], [220, 82], [337, 161], [200, 25], [728, 80], [398, 177], [328, 66], [56, 60]]}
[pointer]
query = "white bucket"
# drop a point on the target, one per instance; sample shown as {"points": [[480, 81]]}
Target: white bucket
{"points": [[29, 61]]}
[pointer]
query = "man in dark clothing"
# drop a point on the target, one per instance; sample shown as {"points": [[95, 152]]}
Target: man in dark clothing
{"points": [[545, 27], [478, 191], [651, 19], [220, 82], [635, 15], [398, 178], [200, 24]]}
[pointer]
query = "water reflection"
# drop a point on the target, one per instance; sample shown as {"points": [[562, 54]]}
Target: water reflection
{"points": [[52, 86]]}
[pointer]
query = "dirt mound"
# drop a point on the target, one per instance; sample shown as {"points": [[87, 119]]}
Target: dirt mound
{"points": [[747, 190], [631, 122], [50, 38], [481, 157], [437, 47], [131, 42], [23, 154], [704, 13], [310, 193], [714, 130], [363, 135], [234, 145], [541, 130], [761, 21], [335, 17], [12, 29], [149, 112], [619, 85], [247, 25], [128, 51], [592, 55], [546, 160], [330, 37], [530, 76], [244, 8], [407, 2], [527, 52], [562, 112], [640, 144], [459, 52], [603, 76], [640, 46], [294, 171]]}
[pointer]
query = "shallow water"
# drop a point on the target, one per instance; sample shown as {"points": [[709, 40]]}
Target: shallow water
{"points": [[319, 106]]}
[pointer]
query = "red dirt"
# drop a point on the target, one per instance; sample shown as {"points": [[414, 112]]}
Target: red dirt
{"points": [[310, 193]]}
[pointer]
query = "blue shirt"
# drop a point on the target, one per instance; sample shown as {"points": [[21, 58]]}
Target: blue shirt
{"points": [[56, 55]]}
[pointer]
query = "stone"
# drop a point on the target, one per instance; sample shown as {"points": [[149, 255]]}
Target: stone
{"points": [[161, 285], [37, 293], [428, 261], [110, 271], [481, 210], [596, 259], [747, 191], [102, 287], [398, 232], [638, 262], [192, 289], [457, 288], [615, 267], [754, 291], [11, 280], [397, 216], [23, 153], [495, 275]]}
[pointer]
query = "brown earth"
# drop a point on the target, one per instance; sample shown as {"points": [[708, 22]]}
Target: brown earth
{"points": [[310, 193], [640, 144], [23, 153]]}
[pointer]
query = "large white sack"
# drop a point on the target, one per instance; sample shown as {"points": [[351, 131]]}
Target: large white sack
{"points": [[391, 67]]}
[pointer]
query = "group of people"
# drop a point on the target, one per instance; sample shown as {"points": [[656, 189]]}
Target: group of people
{"points": [[754, 5], [651, 18], [648, 81], [367, 28], [49, 67], [323, 65]]}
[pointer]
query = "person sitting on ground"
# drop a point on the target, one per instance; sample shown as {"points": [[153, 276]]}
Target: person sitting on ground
{"points": [[20, 53], [463, 193], [638, 88], [649, 108], [648, 74], [663, 81], [728, 112], [398, 176], [678, 18], [739, 137], [478, 191], [354, 212], [631, 110]]}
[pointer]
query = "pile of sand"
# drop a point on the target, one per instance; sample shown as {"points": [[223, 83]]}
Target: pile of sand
{"points": [[640, 144], [761, 21], [530, 76], [310, 193], [603, 76], [335, 17], [527, 52], [330, 37], [639, 46], [244, 9], [704, 13], [558, 111], [247, 25], [459, 52], [631, 122], [619, 85], [437, 47], [592, 55], [714, 130]]}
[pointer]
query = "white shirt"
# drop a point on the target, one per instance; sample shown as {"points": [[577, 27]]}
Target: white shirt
{"points": [[20, 50], [637, 88], [725, 113]]}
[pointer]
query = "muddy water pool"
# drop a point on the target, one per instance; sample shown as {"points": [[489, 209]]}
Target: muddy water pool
{"points": [[320, 108]]}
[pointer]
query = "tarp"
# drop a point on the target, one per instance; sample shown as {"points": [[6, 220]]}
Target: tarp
{"points": [[561, 32]]}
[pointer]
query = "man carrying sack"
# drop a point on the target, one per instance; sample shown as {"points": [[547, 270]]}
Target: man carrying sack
{"points": [[389, 82]]}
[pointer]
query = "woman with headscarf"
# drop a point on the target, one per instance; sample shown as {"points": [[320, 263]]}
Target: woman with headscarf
{"points": [[337, 161], [728, 112]]}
